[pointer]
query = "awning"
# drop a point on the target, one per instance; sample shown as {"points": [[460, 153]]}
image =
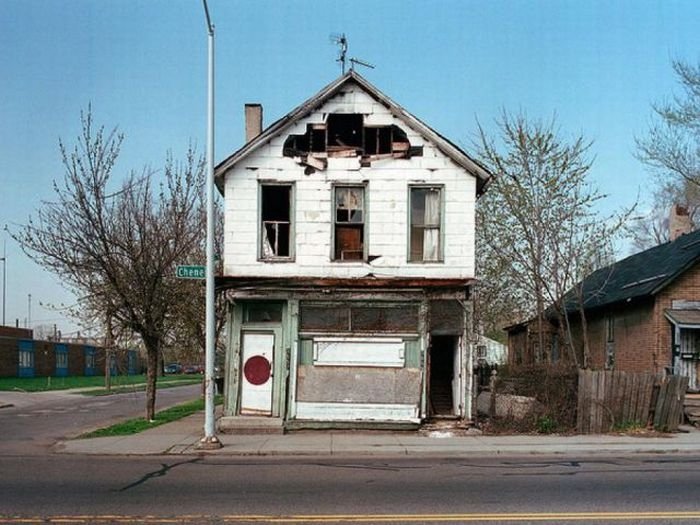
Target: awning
{"points": [[684, 318]]}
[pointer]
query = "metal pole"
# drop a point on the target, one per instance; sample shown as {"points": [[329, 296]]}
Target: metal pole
{"points": [[4, 278], [210, 440]]}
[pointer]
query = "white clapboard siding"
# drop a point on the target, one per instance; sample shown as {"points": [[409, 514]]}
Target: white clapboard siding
{"points": [[387, 182]]}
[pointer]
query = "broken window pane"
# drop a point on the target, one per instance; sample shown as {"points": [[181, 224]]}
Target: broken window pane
{"points": [[349, 223], [425, 224], [276, 223]]}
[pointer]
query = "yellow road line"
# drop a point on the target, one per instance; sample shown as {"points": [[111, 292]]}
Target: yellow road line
{"points": [[362, 518]]}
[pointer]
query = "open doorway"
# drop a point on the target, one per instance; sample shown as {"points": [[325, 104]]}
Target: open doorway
{"points": [[443, 376]]}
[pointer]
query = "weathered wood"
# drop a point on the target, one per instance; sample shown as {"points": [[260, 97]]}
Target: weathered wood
{"points": [[610, 398]]}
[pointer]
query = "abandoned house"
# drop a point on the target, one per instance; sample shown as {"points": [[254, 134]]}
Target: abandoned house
{"points": [[348, 265], [641, 314]]}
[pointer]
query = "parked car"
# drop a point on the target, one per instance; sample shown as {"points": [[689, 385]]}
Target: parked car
{"points": [[173, 368], [193, 369]]}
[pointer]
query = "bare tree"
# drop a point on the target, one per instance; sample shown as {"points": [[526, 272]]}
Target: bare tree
{"points": [[539, 230], [672, 145], [116, 246], [671, 148], [652, 228]]}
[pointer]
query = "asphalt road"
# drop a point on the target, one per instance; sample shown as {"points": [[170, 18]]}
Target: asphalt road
{"points": [[35, 421], [209, 489]]}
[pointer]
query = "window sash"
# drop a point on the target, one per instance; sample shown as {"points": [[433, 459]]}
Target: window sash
{"points": [[276, 233], [426, 224], [349, 236]]}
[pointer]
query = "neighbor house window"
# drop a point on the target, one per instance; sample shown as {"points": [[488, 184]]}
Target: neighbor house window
{"points": [[349, 223], [276, 221], [425, 220], [610, 342]]}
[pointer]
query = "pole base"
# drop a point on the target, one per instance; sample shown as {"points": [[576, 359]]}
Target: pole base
{"points": [[209, 443]]}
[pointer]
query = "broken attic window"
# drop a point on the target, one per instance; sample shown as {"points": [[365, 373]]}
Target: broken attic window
{"points": [[344, 131], [344, 134], [275, 219]]}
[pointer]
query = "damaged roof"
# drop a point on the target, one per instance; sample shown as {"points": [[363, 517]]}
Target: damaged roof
{"points": [[447, 147], [640, 275]]}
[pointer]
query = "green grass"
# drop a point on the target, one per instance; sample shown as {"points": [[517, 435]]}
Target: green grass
{"points": [[43, 384], [134, 426]]}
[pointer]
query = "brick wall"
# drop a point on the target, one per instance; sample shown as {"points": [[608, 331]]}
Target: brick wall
{"points": [[9, 358], [685, 288], [45, 358]]}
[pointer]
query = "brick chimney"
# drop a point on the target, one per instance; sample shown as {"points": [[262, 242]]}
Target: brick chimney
{"points": [[253, 121], [678, 222]]}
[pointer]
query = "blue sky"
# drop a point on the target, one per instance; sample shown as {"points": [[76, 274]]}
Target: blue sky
{"points": [[142, 65]]}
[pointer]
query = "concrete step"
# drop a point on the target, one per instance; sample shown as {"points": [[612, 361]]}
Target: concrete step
{"points": [[251, 425]]}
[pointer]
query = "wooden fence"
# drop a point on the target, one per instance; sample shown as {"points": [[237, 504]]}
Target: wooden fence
{"points": [[609, 399]]}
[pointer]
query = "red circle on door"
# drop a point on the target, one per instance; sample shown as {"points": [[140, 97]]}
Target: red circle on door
{"points": [[257, 370]]}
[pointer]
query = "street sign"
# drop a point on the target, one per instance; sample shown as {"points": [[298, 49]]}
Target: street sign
{"points": [[190, 272]]}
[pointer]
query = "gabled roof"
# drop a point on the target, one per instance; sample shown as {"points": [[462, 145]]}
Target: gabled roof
{"points": [[443, 144], [640, 275]]}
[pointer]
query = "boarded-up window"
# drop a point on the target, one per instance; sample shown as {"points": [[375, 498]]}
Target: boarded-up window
{"points": [[385, 319], [446, 317], [425, 224], [349, 223], [357, 317], [325, 318], [276, 225]]}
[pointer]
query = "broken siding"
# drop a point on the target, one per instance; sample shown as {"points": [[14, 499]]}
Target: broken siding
{"points": [[387, 181]]}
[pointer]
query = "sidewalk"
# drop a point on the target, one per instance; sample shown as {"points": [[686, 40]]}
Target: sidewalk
{"points": [[181, 437]]}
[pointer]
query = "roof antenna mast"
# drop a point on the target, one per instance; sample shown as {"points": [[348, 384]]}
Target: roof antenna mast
{"points": [[342, 42]]}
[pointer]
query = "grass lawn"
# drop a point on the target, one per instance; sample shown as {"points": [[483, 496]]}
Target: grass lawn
{"points": [[42, 384], [134, 426]]}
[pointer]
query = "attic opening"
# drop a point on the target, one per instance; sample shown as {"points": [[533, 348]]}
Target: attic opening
{"points": [[346, 135], [275, 221]]}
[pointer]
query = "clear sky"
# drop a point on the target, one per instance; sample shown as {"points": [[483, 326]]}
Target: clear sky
{"points": [[597, 65]]}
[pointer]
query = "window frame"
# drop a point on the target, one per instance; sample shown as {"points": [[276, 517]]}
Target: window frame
{"points": [[441, 228], [292, 222], [365, 221]]}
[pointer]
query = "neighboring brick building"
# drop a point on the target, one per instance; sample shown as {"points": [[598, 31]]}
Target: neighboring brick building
{"points": [[23, 356], [642, 314]]}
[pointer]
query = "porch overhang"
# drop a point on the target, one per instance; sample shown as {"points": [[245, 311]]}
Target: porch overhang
{"points": [[406, 287], [688, 319]]}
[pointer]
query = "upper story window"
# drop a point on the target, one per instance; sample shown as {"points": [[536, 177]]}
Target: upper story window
{"points": [[425, 224], [276, 221], [349, 223]]}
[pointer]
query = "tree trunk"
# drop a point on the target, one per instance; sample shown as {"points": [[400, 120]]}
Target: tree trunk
{"points": [[152, 349]]}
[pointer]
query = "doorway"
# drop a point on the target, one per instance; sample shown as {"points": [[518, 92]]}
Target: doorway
{"points": [[444, 376]]}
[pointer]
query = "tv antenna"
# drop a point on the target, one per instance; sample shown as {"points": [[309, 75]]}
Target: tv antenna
{"points": [[342, 42]]}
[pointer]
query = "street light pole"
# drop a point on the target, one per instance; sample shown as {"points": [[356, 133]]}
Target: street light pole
{"points": [[210, 441], [4, 277]]}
